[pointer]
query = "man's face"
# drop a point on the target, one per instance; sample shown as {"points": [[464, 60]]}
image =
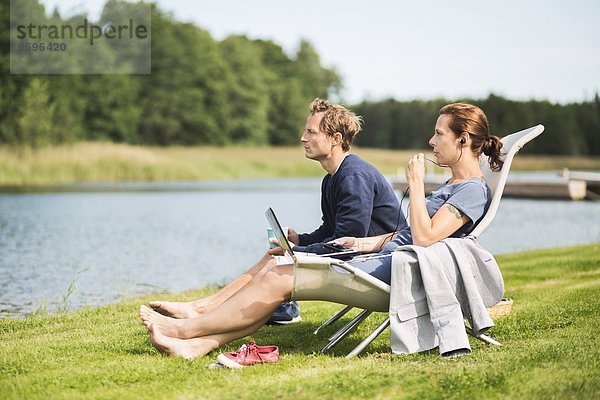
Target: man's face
{"points": [[317, 145]]}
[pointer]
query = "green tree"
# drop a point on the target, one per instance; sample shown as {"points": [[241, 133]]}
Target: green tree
{"points": [[67, 93], [287, 113], [184, 101], [131, 55], [588, 119], [286, 109], [110, 107], [248, 95], [316, 80], [297, 82], [377, 126], [12, 86], [35, 123]]}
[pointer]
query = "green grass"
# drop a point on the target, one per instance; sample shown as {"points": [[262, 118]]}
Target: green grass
{"points": [[551, 350], [109, 162]]}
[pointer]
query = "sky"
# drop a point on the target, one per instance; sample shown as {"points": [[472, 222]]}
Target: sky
{"points": [[527, 49]]}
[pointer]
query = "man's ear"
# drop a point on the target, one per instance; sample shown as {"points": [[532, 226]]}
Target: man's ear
{"points": [[337, 138]]}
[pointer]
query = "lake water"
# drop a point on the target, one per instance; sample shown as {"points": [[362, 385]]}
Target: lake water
{"points": [[110, 242]]}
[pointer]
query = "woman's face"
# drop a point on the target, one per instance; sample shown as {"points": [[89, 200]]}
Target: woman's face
{"points": [[444, 142]]}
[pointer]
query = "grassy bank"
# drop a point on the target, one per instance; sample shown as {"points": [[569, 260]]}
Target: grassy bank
{"points": [[551, 350], [108, 162]]}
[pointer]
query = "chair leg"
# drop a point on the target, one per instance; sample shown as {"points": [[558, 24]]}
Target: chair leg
{"points": [[350, 325], [346, 329], [362, 345], [333, 319], [483, 338]]}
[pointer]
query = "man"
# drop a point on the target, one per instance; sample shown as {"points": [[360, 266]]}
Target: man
{"points": [[356, 200]]}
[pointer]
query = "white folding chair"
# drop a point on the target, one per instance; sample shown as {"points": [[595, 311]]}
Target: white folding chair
{"points": [[351, 286]]}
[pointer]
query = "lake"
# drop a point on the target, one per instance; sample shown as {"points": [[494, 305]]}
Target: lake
{"points": [[102, 243]]}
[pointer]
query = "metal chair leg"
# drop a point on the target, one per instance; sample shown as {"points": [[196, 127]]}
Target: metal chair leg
{"points": [[483, 338], [350, 325], [333, 319], [346, 329], [362, 345]]}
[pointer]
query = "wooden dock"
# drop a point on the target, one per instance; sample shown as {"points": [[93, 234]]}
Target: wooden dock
{"points": [[570, 185]]}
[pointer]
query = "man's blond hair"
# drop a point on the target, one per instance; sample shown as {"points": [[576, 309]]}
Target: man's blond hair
{"points": [[337, 118]]}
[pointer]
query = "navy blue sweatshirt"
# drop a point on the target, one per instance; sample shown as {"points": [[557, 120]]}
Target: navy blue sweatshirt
{"points": [[355, 201]]}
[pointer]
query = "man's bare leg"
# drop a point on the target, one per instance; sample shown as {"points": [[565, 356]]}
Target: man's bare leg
{"points": [[247, 307], [195, 308], [196, 347]]}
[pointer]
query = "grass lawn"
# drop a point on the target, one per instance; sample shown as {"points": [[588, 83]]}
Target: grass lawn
{"points": [[551, 350], [110, 162]]}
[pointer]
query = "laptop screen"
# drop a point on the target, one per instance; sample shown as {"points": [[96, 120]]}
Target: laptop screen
{"points": [[279, 234]]}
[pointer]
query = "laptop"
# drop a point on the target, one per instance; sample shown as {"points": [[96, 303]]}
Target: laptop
{"points": [[285, 244]]}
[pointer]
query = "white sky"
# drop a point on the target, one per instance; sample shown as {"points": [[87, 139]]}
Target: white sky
{"points": [[419, 49]]}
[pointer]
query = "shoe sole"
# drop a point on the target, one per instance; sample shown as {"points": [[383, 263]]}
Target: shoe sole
{"points": [[222, 359], [292, 321]]}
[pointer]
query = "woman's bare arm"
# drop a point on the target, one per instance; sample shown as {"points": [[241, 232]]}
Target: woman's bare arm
{"points": [[425, 230], [371, 244]]}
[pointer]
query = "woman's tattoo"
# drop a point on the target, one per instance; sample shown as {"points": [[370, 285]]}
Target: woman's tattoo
{"points": [[454, 211]]}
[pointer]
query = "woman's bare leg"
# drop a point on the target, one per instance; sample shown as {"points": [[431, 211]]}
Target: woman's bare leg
{"points": [[195, 308], [250, 305]]}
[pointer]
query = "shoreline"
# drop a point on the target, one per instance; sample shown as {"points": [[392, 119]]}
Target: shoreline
{"points": [[210, 288], [100, 162]]}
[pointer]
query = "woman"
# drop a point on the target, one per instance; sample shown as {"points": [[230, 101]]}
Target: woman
{"points": [[461, 136]]}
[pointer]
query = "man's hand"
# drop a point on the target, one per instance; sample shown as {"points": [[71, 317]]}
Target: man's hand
{"points": [[292, 236], [276, 251]]}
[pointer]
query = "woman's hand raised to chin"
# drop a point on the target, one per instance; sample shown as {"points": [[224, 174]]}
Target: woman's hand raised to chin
{"points": [[415, 170]]}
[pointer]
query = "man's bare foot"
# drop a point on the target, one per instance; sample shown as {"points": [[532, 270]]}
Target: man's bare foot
{"points": [[186, 348], [166, 325], [187, 309], [175, 309]]}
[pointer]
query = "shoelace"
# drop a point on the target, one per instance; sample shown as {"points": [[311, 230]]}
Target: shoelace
{"points": [[247, 349]]}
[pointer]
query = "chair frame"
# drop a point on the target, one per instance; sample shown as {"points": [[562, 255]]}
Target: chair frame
{"points": [[495, 180]]}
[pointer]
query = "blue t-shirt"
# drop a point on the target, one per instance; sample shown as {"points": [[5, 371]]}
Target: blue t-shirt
{"points": [[472, 198]]}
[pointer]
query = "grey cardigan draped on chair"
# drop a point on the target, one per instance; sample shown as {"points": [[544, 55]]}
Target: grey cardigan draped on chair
{"points": [[434, 289]]}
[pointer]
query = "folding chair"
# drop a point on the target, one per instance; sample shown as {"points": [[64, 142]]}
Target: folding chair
{"points": [[349, 285]]}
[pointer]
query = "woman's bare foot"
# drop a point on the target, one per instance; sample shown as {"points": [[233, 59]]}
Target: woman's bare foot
{"points": [[166, 325], [175, 309], [188, 349]]}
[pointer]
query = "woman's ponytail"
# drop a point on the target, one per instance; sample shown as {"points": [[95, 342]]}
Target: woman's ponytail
{"points": [[491, 148]]}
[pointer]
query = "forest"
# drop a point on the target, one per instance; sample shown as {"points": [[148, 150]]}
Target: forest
{"points": [[236, 91]]}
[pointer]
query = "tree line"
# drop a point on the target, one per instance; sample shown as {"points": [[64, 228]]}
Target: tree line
{"points": [[201, 91], [236, 91], [571, 129]]}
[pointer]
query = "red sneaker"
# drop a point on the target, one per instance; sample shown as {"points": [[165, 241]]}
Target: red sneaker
{"points": [[249, 354]]}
